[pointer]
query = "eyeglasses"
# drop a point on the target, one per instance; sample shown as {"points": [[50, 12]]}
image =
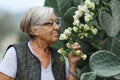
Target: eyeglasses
{"points": [[50, 24]]}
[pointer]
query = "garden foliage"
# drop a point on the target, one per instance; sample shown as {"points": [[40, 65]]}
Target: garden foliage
{"points": [[104, 47]]}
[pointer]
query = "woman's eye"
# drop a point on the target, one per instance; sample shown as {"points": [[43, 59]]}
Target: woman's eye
{"points": [[57, 22], [48, 23]]}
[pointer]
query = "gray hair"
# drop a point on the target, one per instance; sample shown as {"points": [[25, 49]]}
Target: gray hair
{"points": [[35, 17]]}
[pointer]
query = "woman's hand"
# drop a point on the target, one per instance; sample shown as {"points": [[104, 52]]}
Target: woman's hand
{"points": [[73, 59]]}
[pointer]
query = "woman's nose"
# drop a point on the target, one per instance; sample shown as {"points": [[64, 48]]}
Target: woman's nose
{"points": [[56, 26]]}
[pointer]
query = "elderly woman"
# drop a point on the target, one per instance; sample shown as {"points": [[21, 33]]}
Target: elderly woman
{"points": [[35, 59]]}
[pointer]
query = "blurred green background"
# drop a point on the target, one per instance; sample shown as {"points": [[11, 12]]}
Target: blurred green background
{"points": [[10, 15]]}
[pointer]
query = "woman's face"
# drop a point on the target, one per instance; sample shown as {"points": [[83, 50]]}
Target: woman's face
{"points": [[49, 31]]}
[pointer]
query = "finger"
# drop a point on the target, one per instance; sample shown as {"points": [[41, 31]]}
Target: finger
{"points": [[73, 57], [76, 45], [70, 55]]}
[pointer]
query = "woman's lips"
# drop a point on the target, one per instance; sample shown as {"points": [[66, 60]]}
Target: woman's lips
{"points": [[55, 34]]}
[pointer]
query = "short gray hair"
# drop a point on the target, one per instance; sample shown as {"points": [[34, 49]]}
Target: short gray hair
{"points": [[34, 17]]}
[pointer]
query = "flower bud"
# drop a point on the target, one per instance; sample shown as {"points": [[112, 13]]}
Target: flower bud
{"points": [[84, 8], [75, 29], [69, 28], [79, 7], [75, 17], [86, 27], [90, 4], [76, 22], [94, 31], [68, 45], [61, 51], [81, 37], [79, 13], [63, 37], [93, 5], [86, 34], [87, 17], [67, 32], [84, 56], [78, 52]]}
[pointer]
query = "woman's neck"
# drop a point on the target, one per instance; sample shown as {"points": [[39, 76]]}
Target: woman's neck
{"points": [[41, 51], [40, 45]]}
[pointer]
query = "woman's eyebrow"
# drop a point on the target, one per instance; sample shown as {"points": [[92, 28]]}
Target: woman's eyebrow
{"points": [[54, 19]]}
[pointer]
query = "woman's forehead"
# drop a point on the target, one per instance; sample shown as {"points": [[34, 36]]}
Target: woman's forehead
{"points": [[53, 17]]}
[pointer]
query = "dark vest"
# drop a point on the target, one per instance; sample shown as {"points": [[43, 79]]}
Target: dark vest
{"points": [[29, 66]]}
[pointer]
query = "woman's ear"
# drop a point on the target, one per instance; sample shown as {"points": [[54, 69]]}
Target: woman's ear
{"points": [[34, 31]]}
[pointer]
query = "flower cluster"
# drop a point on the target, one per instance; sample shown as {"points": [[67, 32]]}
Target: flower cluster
{"points": [[81, 28]]}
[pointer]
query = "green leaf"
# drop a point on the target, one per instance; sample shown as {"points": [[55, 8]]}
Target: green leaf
{"points": [[115, 48], [60, 6], [108, 43], [115, 8], [111, 24], [95, 23], [96, 1], [63, 25], [52, 3], [105, 1], [117, 76], [63, 6], [105, 63], [68, 16], [88, 76], [77, 2]]}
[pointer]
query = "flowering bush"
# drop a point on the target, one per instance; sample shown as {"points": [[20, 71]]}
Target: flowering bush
{"points": [[80, 29]]}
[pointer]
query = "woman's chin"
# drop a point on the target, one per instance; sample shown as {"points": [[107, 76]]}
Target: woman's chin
{"points": [[55, 40]]}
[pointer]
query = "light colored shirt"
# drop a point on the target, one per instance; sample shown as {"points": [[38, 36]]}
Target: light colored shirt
{"points": [[8, 65]]}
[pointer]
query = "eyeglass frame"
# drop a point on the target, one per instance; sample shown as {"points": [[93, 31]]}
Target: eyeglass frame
{"points": [[50, 24]]}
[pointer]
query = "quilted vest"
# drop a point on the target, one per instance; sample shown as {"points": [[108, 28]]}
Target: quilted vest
{"points": [[29, 66]]}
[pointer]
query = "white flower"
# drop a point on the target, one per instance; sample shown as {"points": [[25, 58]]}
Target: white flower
{"points": [[84, 8], [92, 14], [90, 4], [76, 22], [84, 56], [93, 5], [79, 7], [81, 25], [68, 45], [69, 28], [75, 29], [94, 31], [92, 27], [87, 17], [81, 37], [86, 27], [67, 32], [61, 51], [75, 17], [86, 34], [63, 37], [78, 52], [79, 13]]}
